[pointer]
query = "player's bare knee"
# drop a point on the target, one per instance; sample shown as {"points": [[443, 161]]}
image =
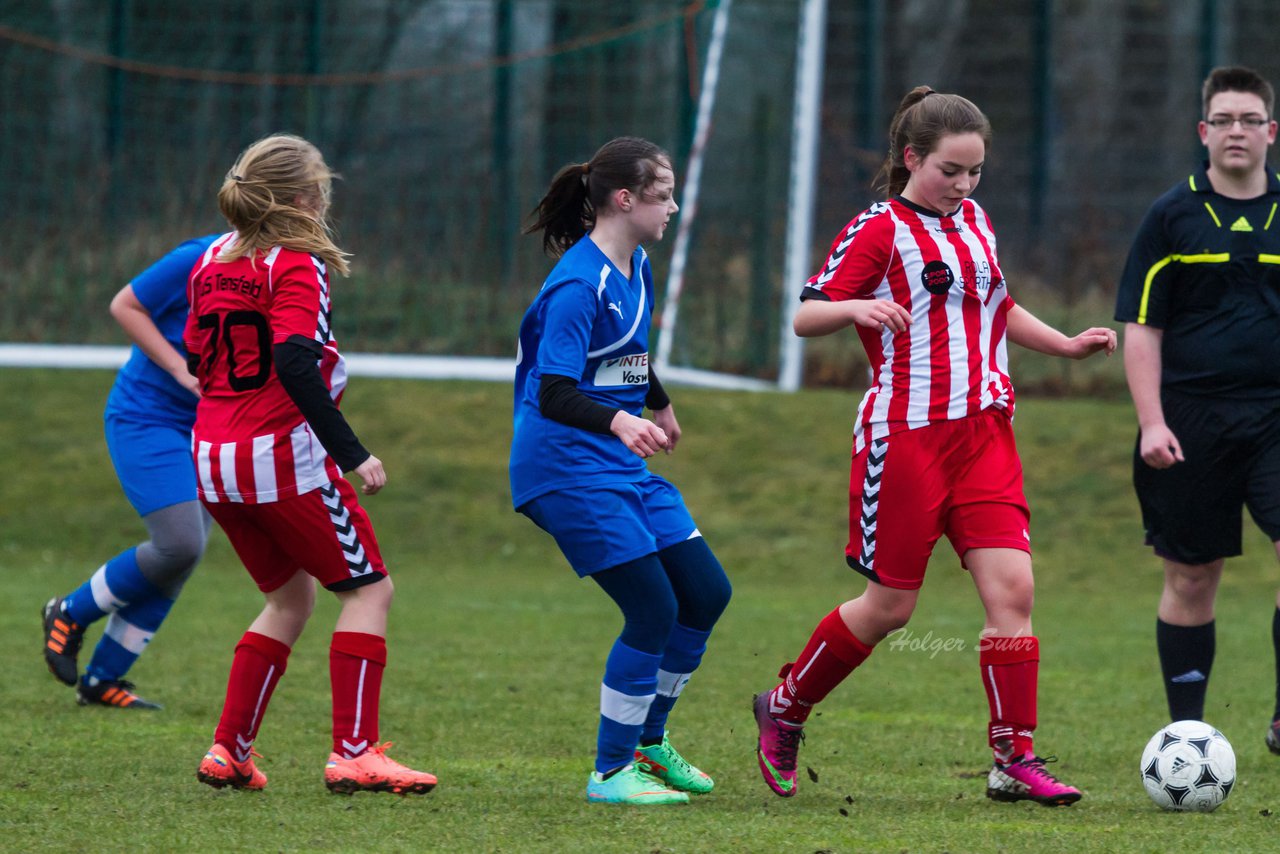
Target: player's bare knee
{"points": [[1190, 589], [895, 616], [377, 595], [1191, 584], [386, 590], [1018, 599]]}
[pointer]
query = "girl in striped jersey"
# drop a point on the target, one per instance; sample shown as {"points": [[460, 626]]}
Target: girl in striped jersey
{"points": [[270, 446], [919, 278]]}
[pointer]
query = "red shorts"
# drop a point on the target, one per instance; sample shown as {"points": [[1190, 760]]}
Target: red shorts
{"points": [[324, 532], [961, 478]]}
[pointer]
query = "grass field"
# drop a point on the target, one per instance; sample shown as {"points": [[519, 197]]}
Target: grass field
{"points": [[496, 652]]}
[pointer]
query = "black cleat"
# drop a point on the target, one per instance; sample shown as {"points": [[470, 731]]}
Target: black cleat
{"points": [[112, 692], [62, 638]]}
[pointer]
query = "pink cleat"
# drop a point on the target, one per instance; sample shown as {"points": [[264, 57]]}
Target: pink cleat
{"points": [[776, 750], [1024, 779]]}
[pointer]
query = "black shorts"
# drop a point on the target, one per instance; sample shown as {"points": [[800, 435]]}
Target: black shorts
{"points": [[1192, 510]]}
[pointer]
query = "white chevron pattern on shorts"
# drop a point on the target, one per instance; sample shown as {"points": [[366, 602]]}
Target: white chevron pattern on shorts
{"points": [[876, 453], [345, 530]]}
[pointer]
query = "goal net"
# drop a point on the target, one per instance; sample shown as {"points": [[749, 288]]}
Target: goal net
{"points": [[446, 120]]}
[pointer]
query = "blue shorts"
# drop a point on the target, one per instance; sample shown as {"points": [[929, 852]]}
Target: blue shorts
{"points": [[606, 525], [153, 462]]}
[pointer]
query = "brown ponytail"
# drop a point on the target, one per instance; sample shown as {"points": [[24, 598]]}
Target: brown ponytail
{"points": [[579, 190], [922, 119]]}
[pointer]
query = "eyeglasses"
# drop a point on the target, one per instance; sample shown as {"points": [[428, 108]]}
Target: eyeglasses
{"points": [[1246, 122]]}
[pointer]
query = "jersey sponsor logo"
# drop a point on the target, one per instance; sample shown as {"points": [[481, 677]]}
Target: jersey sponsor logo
{"points": [[977, 278], [937, 278], [623, 370], [613, 306]]}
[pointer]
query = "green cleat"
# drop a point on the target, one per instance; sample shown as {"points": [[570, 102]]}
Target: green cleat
{"points": [[631, 786], [662, 761]]}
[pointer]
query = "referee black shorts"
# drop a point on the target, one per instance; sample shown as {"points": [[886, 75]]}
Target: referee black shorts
{"points": [[1192, 510]]}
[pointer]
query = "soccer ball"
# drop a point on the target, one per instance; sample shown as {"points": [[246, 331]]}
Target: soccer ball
{"points": [[1188, 765]]}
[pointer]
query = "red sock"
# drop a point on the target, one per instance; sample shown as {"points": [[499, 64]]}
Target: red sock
{"points": [[356, 662], [831, 654], [258, 664], [1010, 671]]}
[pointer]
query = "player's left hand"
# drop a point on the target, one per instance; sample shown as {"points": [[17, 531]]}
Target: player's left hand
{"points": [[188, 381], [1092, 340], [666, 419], [372, 474]]}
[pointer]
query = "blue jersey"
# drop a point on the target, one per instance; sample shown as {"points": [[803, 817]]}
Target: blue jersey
{"points": [[591, 323], [143, 389]]}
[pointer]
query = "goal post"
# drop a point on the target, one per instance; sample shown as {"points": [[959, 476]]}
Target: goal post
{"points": [[806, 128], [692, 186]]}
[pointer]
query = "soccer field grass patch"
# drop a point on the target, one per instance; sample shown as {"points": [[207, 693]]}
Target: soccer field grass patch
{"points": [[496, 650]]}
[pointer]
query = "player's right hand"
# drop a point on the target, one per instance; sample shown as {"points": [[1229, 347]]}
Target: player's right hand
{"points": [[372, 474], [1159, 448], [880, 314], [641, 436]]}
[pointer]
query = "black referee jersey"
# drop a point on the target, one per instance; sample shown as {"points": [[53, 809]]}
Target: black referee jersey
{"points": [[1206, 269]]}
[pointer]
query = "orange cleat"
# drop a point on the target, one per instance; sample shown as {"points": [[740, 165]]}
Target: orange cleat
{"points": [[218, 769], [374, 771]]}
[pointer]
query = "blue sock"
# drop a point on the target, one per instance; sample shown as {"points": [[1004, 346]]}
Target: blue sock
{"points": [[630, 681], [114, 585], [682, 656], [128, 632]]}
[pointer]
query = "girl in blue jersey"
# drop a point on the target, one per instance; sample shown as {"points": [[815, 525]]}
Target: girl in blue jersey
{"points": [[148, 427], [583, 379]]}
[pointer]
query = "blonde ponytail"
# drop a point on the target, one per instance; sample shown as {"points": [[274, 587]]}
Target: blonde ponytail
{"points": [[277, 194]]}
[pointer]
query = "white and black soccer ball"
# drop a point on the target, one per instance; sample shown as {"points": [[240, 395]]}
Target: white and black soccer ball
{"points": [[1188, 765]]}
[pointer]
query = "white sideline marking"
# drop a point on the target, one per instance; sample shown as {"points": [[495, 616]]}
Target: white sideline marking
{"points": [[387, 365]]}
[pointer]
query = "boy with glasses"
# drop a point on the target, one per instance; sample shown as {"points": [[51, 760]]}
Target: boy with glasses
{"points": [[1200, 299]]}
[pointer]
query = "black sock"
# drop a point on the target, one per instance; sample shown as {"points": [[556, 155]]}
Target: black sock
{"points": [[1275, 642], [654, 742], [1186, 659]]}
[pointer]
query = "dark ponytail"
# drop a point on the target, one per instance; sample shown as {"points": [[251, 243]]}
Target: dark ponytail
{"points": [[579, 190], [922, 119]]}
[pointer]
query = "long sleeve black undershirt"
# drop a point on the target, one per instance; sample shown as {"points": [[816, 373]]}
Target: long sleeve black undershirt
{"points": [[560, 400], [295, 361]]}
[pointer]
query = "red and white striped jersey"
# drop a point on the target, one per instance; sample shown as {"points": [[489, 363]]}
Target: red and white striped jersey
{"points": [[251, 443], [951, 362]]}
